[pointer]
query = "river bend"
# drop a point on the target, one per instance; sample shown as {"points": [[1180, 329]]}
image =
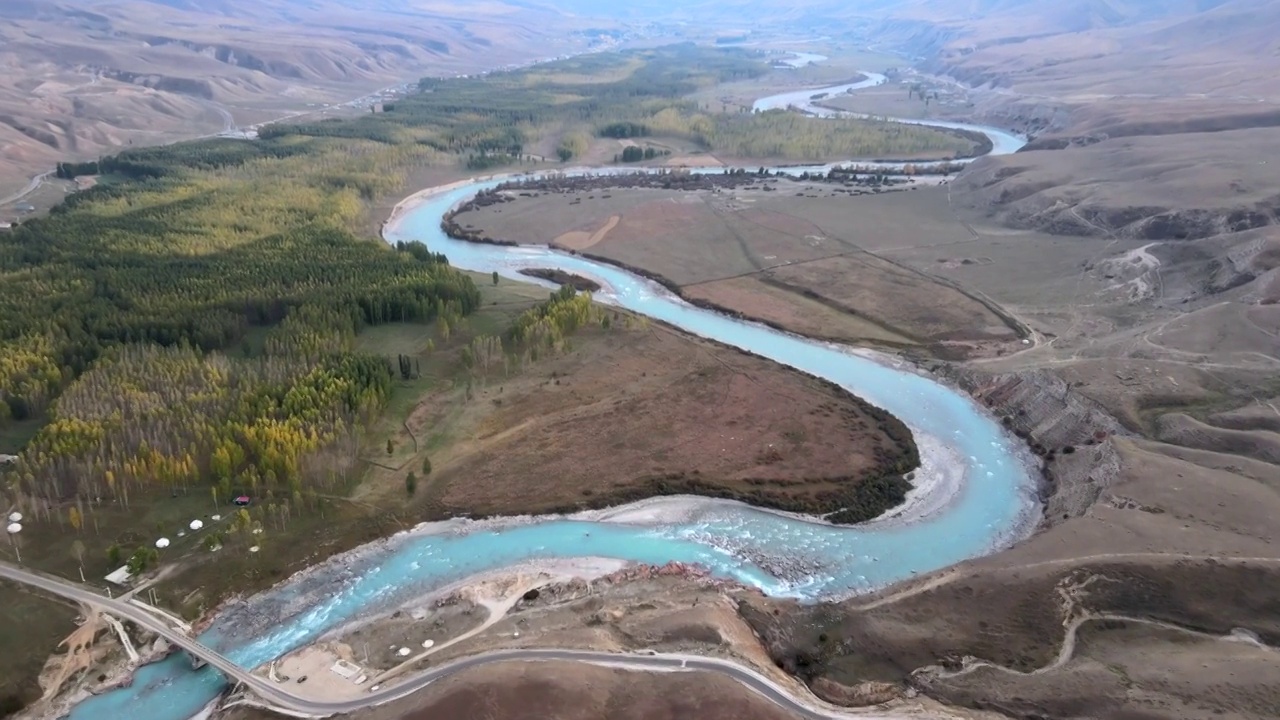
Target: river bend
{"points": [[987, 500]]}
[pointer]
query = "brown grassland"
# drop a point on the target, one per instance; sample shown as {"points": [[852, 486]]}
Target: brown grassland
{"points": [[803, 256], [525, 691], [571, 691], [630, 411]]}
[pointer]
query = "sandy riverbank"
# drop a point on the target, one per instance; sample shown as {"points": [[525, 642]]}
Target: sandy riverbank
{"points": [[410, 203], [550, 570], [935, 484]]}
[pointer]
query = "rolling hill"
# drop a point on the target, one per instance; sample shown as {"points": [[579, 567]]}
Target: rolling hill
{"points": [[80, 77]]}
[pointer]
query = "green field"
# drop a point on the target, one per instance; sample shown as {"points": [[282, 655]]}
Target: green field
{"points": [[442, 373], [14, 435]]}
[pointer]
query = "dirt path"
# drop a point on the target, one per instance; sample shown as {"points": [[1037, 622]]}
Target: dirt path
{"points": [[498, 608], [31, 187], [1147, 556], [913, 589], [1067, 651], [580, 240], [950, 575], [1072, 591]]}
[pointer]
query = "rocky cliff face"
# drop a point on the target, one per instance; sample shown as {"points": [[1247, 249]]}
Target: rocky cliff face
{"points": [[1068, 432]]}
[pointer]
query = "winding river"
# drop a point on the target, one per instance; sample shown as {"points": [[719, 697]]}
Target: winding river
{"points": [[974, 492]]}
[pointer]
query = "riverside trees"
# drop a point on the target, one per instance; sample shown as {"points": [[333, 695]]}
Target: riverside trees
{"points": [[548, 324]]}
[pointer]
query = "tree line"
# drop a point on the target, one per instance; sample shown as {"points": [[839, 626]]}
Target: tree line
{"points": [[794, 136], [125, 313], [149, 418], [491, 120]]}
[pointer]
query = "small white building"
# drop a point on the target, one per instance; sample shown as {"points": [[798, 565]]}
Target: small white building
{"points": [[5, 225], [121, 576]]}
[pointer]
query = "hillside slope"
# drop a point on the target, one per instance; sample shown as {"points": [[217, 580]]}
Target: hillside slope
{"points": [[80, 78], [1230, 51]]}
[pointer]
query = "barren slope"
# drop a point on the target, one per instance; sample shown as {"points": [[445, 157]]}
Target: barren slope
{"points": [[1155, 187]]}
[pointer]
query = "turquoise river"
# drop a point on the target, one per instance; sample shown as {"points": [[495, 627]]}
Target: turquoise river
{"points": [[989, 504]]}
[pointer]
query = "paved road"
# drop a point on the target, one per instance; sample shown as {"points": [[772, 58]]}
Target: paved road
{"points": [[280, 697]]}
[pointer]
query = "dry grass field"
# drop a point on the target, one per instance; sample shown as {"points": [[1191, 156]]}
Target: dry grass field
{"points": [[521, 691], [890, 100], [1162, 50], [627, 407], [623, 409], [1176, 186], [804, 256], [26, 616]]}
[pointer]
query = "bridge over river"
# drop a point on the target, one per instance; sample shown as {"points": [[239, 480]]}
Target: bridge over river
{"points": [[280, 699]]}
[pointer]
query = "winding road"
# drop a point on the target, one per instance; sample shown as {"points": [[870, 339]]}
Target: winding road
{"points": [[279, 698]]}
